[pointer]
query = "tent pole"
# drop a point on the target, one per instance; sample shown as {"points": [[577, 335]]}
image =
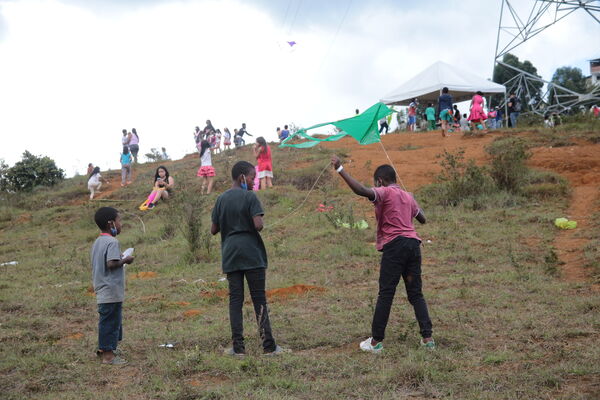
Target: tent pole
{"points": [[506, 108]]}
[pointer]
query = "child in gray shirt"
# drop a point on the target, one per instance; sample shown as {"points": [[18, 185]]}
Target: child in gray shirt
{"points": [[108, 277]]}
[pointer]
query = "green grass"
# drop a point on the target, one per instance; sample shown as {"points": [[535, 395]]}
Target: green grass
{"points": [[506, 326]]}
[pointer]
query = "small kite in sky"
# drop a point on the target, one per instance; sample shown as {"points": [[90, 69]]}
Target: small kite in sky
{"points": [[292, 43]]}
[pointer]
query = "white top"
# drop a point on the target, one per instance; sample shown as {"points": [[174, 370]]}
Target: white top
{"points": [[124, 140], [205, 160], [95, 179]]}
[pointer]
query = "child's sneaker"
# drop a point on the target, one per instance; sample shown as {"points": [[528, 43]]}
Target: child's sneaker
{"points": [[366, 345], [278, 350], [430, 345], [231, 352], [115, 361], [150, 206]]}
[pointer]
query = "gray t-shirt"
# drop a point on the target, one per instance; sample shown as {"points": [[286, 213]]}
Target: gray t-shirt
{"points": [[109, 283], [242, 247]]}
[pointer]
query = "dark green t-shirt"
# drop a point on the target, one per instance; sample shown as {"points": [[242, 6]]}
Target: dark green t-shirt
{"points": [[242, 247]]}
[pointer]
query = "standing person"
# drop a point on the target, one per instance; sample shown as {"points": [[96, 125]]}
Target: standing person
{"points": [[206, 170], [237, 139], [412, 114], [197, 135], [499, 117], [218, 137], [125, 166], [278, 132], [430, 115], [262, 152], [456, 115], [514, 108], [164, 154], [208, 129], [285, 133], [125, 138], [445, 109], [134, 144], [108, 277], [95, 182], [238, 216], [383, 124], [491, 115], [90, 169], [241, 132], [226, 139], [477, 116], [400, 244]]}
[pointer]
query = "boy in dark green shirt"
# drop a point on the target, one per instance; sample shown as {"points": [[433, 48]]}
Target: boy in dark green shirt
{"points": [[238, 216]]}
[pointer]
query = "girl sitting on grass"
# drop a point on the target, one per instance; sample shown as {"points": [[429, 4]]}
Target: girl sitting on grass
{"points": [[163, 186]]}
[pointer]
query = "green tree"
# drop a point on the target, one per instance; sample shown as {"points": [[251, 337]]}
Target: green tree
{"points": [[503, 74], [30, 172], [568, 77]]}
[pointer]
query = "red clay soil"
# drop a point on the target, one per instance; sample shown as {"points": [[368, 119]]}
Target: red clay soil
{"points": [[191, 313], [142, 275], [580, 164], [273, 294]]}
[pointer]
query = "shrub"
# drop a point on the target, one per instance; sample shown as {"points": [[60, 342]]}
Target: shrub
{"points": [[508, 167], [459, 180], [28, 173]]}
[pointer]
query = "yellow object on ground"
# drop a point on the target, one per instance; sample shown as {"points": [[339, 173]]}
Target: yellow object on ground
{"points": [[564, 223]]}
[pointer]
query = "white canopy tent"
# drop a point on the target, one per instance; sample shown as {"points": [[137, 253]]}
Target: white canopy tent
{"points": [[427, 86]]}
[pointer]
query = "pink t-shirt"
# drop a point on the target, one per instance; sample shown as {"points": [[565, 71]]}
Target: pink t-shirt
{"points": [[394, 210]]}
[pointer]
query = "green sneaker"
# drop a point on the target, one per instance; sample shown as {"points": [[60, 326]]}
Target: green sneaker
{"points": [[366, 345], [430, 345]]}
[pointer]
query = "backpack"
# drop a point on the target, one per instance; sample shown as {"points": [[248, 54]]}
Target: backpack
{"points": [[517, 105]]}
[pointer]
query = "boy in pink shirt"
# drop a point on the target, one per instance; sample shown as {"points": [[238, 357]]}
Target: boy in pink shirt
{"points": [[400, 244]]}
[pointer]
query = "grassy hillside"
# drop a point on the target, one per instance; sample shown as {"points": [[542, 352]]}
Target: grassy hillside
{"points": [[506, 325]]}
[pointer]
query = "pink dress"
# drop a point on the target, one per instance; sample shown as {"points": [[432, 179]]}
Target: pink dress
{"points": [[477, 113]]}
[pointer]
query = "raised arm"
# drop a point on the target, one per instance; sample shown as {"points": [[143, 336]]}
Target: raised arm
{"points": [[355, 185]]}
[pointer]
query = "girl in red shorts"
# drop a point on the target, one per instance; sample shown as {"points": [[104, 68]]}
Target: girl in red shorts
{"points": [[206, 171]]}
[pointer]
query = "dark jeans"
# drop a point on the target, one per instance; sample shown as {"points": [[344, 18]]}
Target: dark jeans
{"points": [[256, 283], [401, 258], [134, 148], [382, 126], [110, 328]]}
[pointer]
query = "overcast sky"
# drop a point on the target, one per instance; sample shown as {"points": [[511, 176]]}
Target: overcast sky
{"points": [[73, 73]]}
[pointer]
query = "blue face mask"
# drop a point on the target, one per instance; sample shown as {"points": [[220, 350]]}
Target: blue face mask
{"points": [[113, 231], [245, 184]]}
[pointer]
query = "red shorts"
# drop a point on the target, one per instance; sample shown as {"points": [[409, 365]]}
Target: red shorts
{"points": [[207, 170]]}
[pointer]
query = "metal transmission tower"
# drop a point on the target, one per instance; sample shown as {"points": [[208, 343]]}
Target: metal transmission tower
{"points": [[514, 29]]}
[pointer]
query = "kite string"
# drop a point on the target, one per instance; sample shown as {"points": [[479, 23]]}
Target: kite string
{"points": [[303, 201], [393, 166]]}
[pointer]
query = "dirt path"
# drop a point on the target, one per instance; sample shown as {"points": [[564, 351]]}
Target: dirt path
{"points": [[415, 158], [581, 166]]}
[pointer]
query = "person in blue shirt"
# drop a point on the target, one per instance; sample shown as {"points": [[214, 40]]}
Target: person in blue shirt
{"points": [[445, 112], [125, 166]]}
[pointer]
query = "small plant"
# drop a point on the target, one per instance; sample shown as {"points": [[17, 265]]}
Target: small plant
{"points": [[508, 167]]}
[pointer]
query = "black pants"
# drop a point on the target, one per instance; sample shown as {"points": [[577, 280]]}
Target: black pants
{"points": [[382, 126], [401, 258], [256, 283]]}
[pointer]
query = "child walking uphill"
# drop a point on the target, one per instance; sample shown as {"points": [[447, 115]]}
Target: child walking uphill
{"points": [[108, 276], [95, 182], [400, 244], [238, 215], [206, 170], [126, 160]]}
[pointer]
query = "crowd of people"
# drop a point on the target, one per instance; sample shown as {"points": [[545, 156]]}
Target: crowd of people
{"points": [[446, 115]]}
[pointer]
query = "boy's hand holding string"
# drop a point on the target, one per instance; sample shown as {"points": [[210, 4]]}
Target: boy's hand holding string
{"points": [[361, 189]]}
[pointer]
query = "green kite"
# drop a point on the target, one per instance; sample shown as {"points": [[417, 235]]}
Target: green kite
{"points": [[364, 128]]}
